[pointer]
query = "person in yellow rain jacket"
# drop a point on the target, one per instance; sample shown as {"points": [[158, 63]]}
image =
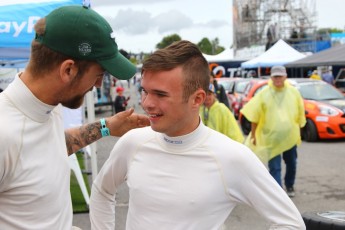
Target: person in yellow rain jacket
{"points": [[277, 114], [218, 117], [315, 75]]}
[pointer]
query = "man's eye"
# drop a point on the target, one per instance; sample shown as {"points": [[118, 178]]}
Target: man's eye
{"points": [[161, 95]]}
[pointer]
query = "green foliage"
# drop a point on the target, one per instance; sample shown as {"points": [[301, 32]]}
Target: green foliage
{"points": [[205, 46], [168, 40], [219, 49], [133, 60], [329, 30], [78, 202], [210, 47]]}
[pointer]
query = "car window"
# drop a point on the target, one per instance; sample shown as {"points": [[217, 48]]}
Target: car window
{"points": [[340, 80], [227, 85], [241, 86], [248, 87], [318, 92]]}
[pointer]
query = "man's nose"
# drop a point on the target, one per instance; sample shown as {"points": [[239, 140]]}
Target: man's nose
{"points": [[98, 83], [147, 101]]}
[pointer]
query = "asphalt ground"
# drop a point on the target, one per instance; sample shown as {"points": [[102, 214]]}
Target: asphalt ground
{"points": [[320, 182]]}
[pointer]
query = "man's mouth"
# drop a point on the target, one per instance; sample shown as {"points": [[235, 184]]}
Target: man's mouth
{"points": [[154, 115]]}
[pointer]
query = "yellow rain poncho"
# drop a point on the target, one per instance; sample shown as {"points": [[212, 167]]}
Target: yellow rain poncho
{"points": [[220, 118], [279, 115]]}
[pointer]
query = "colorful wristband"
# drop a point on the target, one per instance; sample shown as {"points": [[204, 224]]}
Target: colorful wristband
{"points": [[104, 129]]}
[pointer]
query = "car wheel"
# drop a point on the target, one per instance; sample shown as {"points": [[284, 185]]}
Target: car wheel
{"points": [[334, 220], [245, 125], [309, 131]]}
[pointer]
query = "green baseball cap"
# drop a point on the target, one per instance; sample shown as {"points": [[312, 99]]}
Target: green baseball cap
{"points": [[81, 33]]}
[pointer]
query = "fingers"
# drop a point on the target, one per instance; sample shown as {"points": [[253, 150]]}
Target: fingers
{"points": [[127, 120], [127, 113], [143, 120], [139, 120], [130, 111]]}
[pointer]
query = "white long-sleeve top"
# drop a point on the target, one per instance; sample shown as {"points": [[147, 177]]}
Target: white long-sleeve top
{"points": [[34, 169], [187, 182]]}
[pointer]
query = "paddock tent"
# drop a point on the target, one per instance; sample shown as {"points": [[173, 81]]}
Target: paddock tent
{"points": [[224, 64], [280, 53], [226, 55], [334, 56], [17, 20]]}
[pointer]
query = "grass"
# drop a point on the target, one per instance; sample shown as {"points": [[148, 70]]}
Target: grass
{"points": [[78, 202]]}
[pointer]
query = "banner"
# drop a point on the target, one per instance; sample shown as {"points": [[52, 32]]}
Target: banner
{"points": [[17, 20]]}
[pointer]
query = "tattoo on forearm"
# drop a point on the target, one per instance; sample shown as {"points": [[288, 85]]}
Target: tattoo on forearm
{"points": [[68, 141], [90, 133], [82, 137]]}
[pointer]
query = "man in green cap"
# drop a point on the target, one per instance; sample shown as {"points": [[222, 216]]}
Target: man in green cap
{"points": [[73, 48]]}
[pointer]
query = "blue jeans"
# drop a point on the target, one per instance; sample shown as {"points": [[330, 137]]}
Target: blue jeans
{"points": [[290, 159]]}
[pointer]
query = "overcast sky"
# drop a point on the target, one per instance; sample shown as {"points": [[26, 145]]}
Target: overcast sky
{"points": [[140, 24]]}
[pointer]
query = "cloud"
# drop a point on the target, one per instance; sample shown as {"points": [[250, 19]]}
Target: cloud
{"points": [[131, 22], [214, 24], [135, 22], [172, 21], [122, 2], [139, 25]]}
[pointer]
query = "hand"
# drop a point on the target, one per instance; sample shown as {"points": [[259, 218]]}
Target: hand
{"points": [[124, 121]]}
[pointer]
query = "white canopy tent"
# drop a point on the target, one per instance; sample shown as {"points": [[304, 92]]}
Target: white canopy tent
{"points": [[224, 64], [280, 53], [226, 55]]}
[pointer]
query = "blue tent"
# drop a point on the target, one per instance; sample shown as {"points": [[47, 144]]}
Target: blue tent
{"points": [[17, 19]]}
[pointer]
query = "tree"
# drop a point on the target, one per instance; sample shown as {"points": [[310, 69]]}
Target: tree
{"points": [[329, 30], [168, 40], [216, 47], [325, 33], [205, 46], [210, 47]]}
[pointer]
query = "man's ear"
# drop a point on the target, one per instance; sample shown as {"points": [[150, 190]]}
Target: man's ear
{"points": [[199, 97], [68, 71]]}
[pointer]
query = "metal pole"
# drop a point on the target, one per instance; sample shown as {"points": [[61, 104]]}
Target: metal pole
{"points": [[91, 117]]}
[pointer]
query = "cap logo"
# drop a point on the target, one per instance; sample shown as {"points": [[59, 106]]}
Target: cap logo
{"points": [[85, 49]]}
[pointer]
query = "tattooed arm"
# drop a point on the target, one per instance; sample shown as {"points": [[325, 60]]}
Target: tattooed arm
{"points": [[119, 124]]}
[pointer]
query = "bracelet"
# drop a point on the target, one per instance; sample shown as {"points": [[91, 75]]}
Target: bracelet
{"points": [[104, 129]]}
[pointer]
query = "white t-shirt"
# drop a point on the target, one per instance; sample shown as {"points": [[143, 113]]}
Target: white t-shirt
{"points": [[34, 169], [188, 182]]}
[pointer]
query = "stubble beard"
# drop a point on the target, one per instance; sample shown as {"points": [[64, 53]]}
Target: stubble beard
{"points": [[74, 103]]}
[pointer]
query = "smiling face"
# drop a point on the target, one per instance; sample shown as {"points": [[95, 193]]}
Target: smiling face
{"points": [[162, 99]]}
